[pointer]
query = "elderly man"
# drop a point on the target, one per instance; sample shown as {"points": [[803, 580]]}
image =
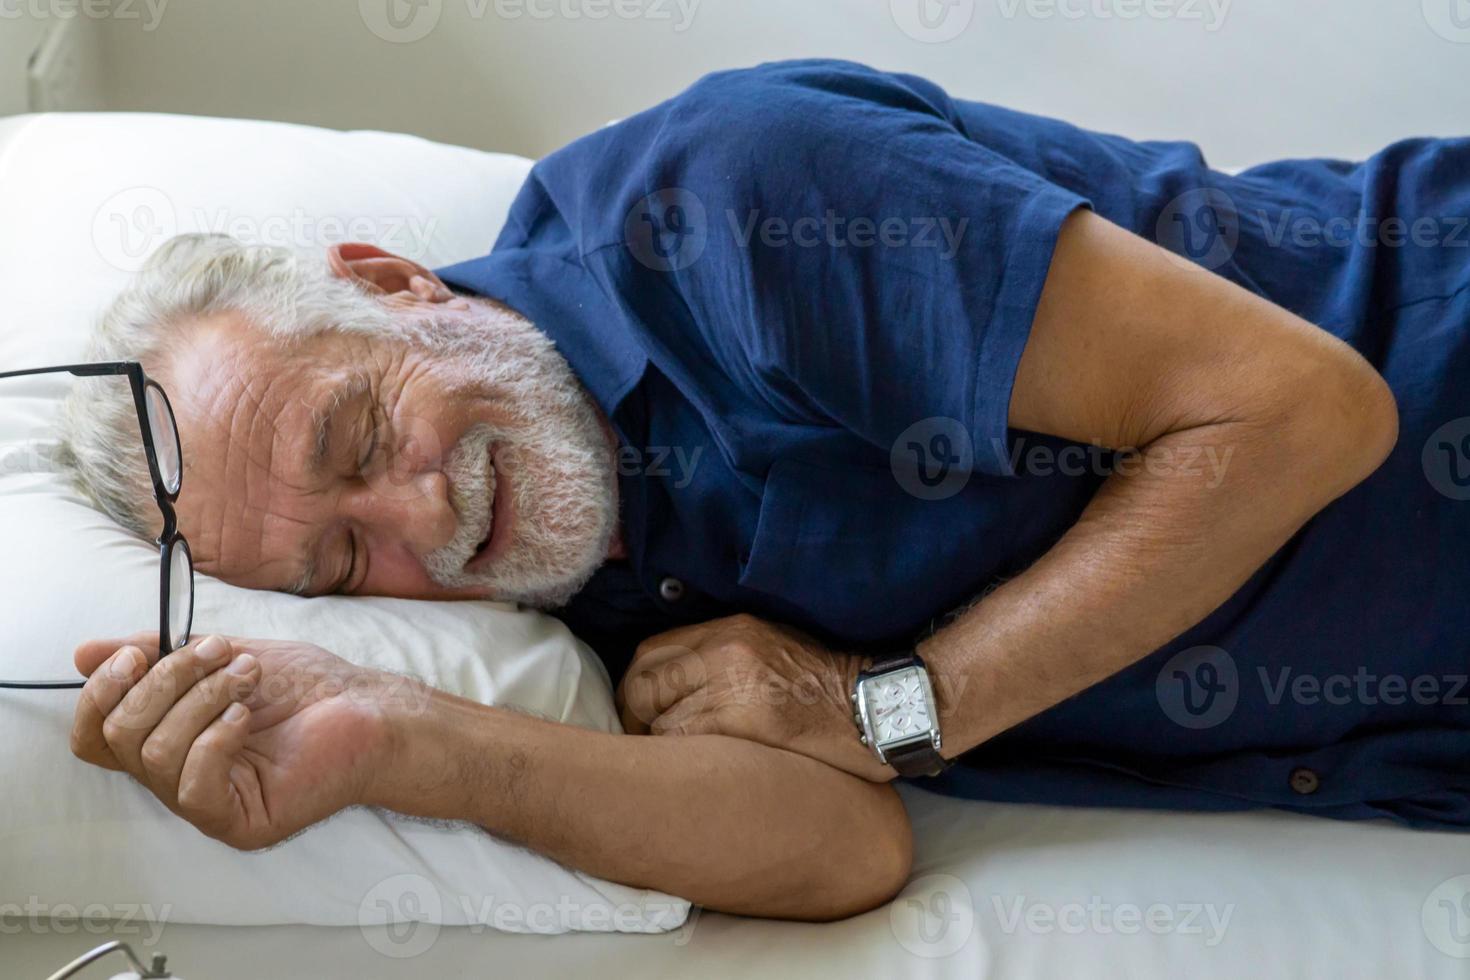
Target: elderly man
{"points": [[861, 430]]}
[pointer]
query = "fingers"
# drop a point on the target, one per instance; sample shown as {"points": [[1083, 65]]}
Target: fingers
{"points": [[154, 694], [130, 702], [681, 639], [101, 694], [206, 796], [688, 717], [94, 653], [165, 749], [652, 687]]}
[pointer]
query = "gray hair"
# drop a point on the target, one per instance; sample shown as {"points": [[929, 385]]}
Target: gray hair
{"points": [[285, 294]]}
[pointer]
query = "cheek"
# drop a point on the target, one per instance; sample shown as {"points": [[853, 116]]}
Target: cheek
{"points": [[427, 424], [420, 442], [397, 573]]}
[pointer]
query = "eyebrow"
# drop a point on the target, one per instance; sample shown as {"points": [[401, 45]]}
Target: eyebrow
{"points": [[321, 450]]}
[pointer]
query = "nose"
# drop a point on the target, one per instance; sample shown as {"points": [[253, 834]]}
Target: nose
{"points": [[416, 513]]}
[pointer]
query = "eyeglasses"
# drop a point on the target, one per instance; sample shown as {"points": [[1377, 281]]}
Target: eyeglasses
{"points": [[166, 468]]}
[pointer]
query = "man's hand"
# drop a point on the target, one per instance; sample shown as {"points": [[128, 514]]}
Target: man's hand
{"points": [[744, 677], [248, 740]]}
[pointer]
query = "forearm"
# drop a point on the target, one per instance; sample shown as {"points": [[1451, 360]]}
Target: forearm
{"points": [[1159, 548], [729, 824]]}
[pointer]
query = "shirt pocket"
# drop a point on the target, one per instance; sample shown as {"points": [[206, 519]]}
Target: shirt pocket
{"points": [[844, 549]]}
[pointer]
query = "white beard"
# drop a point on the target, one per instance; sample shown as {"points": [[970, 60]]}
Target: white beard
{"points": [[555, 454]]}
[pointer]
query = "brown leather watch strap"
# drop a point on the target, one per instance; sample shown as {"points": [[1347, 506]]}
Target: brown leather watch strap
{"points": [[918, 759]]}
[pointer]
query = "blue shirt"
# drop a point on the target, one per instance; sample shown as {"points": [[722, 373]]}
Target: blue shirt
{"points": [[800, 293]]}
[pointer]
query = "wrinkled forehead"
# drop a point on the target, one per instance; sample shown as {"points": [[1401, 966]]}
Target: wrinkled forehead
{"points": [[252, 413], [230, 377]]}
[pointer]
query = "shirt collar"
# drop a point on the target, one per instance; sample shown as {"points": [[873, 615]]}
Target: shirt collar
{"points": [[565, 302]]}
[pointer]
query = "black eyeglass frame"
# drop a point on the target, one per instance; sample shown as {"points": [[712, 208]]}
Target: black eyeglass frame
{"points": [[169, 537]]}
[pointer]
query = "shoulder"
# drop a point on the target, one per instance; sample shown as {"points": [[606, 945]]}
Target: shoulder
{"points": [[811, 95]]}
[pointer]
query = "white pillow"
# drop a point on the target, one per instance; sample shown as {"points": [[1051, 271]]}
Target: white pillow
{"points": [[82, 199]]}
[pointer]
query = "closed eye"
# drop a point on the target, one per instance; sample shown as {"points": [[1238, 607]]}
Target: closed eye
{"points": [[349, 576]]}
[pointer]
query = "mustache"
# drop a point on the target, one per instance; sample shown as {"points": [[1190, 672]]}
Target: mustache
{"points": [[471, 481]]}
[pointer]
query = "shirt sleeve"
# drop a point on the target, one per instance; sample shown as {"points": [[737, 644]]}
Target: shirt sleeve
{"points": [[867, 263]]}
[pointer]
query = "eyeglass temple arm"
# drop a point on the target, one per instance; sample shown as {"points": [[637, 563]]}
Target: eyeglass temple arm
{"points": [[80, 370], [42, 685]]}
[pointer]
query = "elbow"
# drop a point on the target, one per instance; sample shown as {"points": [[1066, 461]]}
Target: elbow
{"points": [[1345, 421], [1381, 425], [876, 864], [894, 864], [889, 863], [1366, 420]]}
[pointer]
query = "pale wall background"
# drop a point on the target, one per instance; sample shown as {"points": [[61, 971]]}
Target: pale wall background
{"points": [[19, 38], [1248, 79]]}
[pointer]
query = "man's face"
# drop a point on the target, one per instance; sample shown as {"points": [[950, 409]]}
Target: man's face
{"points": [[460, 461]]}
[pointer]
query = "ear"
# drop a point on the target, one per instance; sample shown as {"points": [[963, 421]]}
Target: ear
{"points": [[385, 273]]}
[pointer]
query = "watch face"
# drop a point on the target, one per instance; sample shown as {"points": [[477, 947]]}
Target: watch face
{"points": [[898, 705]]}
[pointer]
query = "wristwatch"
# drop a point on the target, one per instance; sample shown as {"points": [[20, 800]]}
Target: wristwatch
{"points": [[893, 705]]}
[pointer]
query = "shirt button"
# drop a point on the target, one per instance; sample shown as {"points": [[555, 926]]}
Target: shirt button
{"points": [[1304, 781], [671, 589]]}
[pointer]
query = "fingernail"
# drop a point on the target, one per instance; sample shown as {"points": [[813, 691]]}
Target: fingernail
{"points": [[241, 665], [212, 648], [235, 712], [125, 663]]}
